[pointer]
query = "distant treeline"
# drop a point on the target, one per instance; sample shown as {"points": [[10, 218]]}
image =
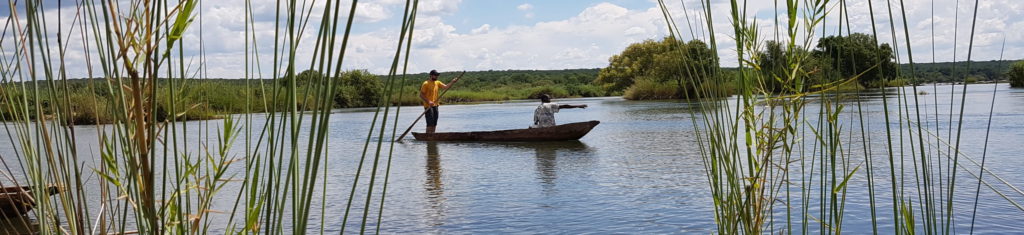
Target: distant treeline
{"points": [[93, 100], [645, 70], [96, 100], [994, 70], [495, 85]]}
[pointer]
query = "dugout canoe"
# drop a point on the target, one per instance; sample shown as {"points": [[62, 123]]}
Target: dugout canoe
{"points": [[18, 200], [571, 131]]}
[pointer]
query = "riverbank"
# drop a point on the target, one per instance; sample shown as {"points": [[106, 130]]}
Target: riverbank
{"points": [[92, 101], [96, 101]]}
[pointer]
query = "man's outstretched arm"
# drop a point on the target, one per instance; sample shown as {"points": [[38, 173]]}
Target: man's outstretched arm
{"points": [[445, 86], [569, 106]]}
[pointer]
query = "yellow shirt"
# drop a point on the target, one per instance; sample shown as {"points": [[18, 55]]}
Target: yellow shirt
{"points": [[430, 90]]}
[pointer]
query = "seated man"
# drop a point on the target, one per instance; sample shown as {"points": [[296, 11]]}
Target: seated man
{"points": [[544, 116]]}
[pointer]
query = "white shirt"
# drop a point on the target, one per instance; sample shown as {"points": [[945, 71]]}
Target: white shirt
{"points": [[544, 116]]}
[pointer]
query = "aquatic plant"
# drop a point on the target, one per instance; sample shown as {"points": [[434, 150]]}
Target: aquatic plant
{"points": [[153, 176], [782, 162]]}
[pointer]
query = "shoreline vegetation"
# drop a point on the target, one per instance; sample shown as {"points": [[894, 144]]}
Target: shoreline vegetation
{"points": [[772, 165], [1016, 74], [214, 98]]}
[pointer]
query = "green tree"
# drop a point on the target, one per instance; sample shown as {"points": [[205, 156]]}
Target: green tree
{"points": [[665, 62], [624, 68], [773, 62], [302, 78], [1016, 74], [358, 88], [857, 53]]}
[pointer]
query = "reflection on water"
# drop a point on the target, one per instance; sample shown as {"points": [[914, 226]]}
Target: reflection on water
{"points": [[546, 167], [546, 155], [434, 187]]}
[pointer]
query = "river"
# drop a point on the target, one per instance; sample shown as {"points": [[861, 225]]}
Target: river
{"points": [[639, 171]]}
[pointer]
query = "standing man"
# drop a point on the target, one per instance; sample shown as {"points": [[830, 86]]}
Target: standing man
{"points": [[544, 115], [429, 92]]}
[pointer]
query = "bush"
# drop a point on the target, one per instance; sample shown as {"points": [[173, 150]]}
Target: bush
{"points": [[186, 107], [648, 89], [585, 90], [848, 87], [971, 80], [897, 82], [346, 96], [1016, 74], [410, 98], [88, 108], [358, 88], [455, 96], [553, 91], [887, 83], [723, 89]]}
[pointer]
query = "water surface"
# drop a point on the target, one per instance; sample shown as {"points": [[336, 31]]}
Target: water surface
{"points": [[639, 171]]}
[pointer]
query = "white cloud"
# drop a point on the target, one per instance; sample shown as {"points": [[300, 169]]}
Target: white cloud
{"points": [[431, 32], [584, 40], [525, 7], [635, 31], [482, 29], [370, 12], [439, 7]]}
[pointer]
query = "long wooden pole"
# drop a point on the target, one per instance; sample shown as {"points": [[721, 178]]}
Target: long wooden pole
{"points": [[425, 111]]}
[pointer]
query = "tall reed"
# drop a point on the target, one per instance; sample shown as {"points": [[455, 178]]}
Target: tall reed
{"points": [[154, 173], [796, 152]]}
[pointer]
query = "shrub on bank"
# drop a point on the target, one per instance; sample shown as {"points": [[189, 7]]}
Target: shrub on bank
{"points": [[849, 87], [88, 108], [972, 80], [553, 91], [584, 90], [898, 82], [1016, 74], [455, 96], [648, 89]]}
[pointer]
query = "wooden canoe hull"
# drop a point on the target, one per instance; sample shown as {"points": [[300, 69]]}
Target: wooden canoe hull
{"points": [[571, 131], [16, 201]]}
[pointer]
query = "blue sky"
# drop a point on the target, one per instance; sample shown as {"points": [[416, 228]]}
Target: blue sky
{"points": [[499, 13], [506, 13], [559, 34]]}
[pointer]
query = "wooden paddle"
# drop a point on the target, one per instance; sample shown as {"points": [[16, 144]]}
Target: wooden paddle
{"points": [[425, 111]]}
